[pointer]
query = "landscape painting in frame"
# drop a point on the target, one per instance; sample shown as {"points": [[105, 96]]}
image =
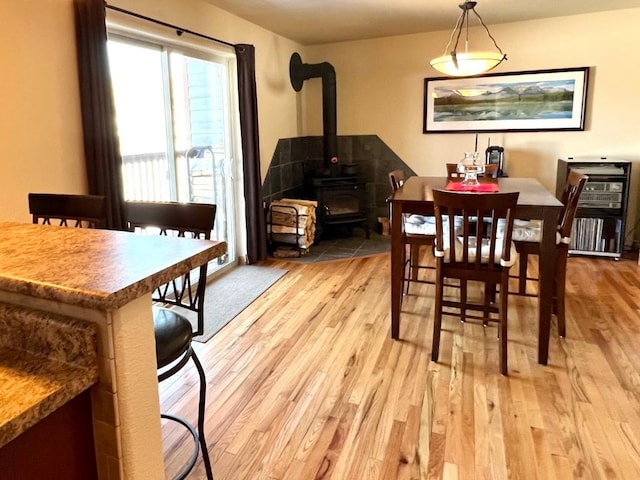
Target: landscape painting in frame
{"points": [[502, 102]]}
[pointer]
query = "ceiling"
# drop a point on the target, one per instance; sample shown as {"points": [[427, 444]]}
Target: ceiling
{"points": [[312, 22]]}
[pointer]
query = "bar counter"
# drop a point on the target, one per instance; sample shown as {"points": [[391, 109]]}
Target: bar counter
{"points": [[106, 278], [45, 361]]}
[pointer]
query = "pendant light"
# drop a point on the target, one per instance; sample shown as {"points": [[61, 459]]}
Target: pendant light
{"points": [[466, 64]]}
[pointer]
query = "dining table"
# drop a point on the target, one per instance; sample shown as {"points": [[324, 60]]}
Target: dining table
{"points": [[415, 196]]}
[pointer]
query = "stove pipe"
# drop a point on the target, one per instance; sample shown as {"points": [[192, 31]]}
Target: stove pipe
{"points": [[298, 73]]}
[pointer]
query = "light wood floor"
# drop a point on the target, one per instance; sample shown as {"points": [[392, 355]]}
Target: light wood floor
{"points": [[306, 383]]}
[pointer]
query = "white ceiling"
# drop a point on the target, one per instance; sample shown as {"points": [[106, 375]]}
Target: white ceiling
{"points": [[311, 22]]}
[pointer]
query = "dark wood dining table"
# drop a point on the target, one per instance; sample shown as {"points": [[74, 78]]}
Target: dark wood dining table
{"points": [[534, 202]]}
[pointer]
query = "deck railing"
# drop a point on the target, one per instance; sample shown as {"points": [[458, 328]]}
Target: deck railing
{"points": [[145, 177], [202, 179]]}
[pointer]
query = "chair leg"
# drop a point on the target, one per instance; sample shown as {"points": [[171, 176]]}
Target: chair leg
{"points": [[415, 262], [522, 276], [463, 300], [502, 327], [437, 317], [405, 283], [489, 297], [504, 301], [201, 416], [492, 293], [560, 278]]}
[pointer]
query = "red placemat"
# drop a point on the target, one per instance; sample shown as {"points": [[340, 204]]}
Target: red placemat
{"points": [[482, 187]]}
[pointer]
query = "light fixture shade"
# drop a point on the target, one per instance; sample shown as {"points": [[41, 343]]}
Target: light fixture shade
{"points": [[467, 64]]}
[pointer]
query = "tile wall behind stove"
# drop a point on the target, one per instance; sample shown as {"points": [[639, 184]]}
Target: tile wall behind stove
{"points": [[295, 160]]}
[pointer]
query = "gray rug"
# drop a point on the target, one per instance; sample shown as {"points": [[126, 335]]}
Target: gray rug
{"points": [[232, 292]]}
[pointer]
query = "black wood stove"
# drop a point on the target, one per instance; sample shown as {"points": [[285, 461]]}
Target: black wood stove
{"points": [[341, 202], [341, 195]]}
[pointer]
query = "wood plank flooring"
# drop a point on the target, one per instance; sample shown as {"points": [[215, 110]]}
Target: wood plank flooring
{"points": [[306, 383]]}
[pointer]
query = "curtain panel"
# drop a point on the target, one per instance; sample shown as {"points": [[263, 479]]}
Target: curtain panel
{"points": [[256, 221], [101, 146]]}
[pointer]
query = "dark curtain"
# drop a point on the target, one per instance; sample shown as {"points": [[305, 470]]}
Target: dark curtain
{"points": [[256, 223], [101, 148]]}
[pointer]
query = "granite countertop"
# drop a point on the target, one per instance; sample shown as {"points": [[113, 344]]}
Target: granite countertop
{"points": [[45, 361], [99, 269]]}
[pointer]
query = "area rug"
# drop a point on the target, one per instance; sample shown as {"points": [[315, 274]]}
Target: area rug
{"points": [[232, 292]]}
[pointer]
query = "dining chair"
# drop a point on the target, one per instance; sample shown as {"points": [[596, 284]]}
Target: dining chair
{"points": [[68, 210], [173, 330], [528, 233], [417, 231], [464, 250], [490, 169]]}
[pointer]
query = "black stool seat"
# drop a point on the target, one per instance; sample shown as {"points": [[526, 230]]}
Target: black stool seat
{"points": [[173, 335]]}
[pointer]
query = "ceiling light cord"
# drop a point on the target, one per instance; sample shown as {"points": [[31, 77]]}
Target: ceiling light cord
{"points": [[458, 29], [488, 32]]}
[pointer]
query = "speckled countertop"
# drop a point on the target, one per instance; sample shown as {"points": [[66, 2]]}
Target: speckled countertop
{"points": [[100, 269], [45, 361]]}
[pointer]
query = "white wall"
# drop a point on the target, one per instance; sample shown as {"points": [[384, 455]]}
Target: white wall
{"points": [[380, 91], [40, 120], [40, 130]]}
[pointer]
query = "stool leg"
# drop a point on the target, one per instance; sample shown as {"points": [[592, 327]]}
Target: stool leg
{"points": [[201, 415]]}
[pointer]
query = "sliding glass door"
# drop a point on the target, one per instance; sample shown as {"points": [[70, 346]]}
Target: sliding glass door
{"points": [[175, 128]]}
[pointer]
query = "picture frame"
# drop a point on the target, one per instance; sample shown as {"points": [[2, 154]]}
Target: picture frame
{"points": [[526, 101]]}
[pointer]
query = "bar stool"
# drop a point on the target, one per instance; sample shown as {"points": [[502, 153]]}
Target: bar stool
{"points": [[173, 330]]}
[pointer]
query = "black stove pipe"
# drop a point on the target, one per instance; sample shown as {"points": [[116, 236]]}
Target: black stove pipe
{"points": [[298, 73]]}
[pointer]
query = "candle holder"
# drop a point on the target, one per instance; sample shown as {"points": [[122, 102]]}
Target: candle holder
{"points": [[470, 167]]}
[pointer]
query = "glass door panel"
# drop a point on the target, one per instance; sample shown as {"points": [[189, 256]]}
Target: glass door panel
{"points": [[175, 130], [139, 95], [199, 93]]}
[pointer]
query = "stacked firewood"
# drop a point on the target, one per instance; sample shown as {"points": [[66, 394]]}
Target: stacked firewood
{"points": [[291, 226]]}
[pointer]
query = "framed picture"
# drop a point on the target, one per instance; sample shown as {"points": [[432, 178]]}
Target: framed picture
{"points": [[503, 102]]}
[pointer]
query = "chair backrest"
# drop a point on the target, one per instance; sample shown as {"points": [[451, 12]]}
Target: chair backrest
{"points": [[460, 236], [490, 169], [195, 220], [68, 210], [396, 179], [452, 171], [570, 195], [174, 218]]}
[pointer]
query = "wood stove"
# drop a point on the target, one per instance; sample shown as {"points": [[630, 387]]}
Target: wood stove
{"points": [[340, 194], [341, 202]]}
